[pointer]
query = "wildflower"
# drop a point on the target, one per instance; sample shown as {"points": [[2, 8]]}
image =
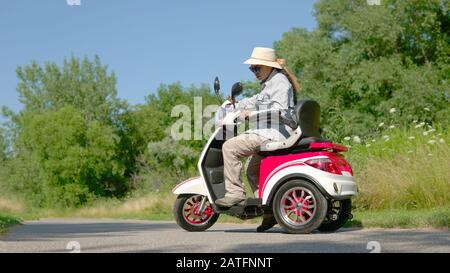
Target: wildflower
{"points": [[386, 139], [356, 139], [430, 154], [392, 127], [385, 136], [426, 109], [420, 125], [414, 121], [381, 124], [368, 145], [392, 110], [373, 140], [411, 138], [432, 142], [347, 138], [425, 133], [442, 140]]}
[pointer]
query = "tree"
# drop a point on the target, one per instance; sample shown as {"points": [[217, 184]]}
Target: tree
{"points": [[363, 61], [70, 136], [3, 146]]}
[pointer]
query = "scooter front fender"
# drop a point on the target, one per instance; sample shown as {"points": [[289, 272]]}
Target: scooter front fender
{"points": [[195, 185]]}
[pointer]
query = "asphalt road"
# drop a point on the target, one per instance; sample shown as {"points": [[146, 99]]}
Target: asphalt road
{"points": [[93, 235]]}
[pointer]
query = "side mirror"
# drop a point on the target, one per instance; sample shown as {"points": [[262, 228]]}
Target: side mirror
{"points": [[236, 90], [217, 89], [216, 85]]}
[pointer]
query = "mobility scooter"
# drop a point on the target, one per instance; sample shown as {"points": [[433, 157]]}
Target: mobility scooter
{"points": [[304, 180]]}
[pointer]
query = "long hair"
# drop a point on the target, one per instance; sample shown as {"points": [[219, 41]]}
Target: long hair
{"points": [[291, 77]]}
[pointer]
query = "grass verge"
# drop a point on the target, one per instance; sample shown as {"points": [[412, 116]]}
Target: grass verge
{"points": [[6, 221], [425, 218]]}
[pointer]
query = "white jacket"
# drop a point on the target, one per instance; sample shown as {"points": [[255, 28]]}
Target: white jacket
{"points": [[276, 94]]}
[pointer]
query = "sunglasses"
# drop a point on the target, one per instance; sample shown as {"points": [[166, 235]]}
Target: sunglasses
{"points": [[255, 68]]}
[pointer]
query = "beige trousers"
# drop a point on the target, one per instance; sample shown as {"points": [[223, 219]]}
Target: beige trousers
{"points": [[233, 151]]}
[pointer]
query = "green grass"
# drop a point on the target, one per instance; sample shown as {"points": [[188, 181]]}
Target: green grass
{"points": [[7, 221], [431, 218], [403, 169]]}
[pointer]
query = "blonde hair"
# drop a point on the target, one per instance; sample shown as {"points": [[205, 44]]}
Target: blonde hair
{"points": [[291, 76]]}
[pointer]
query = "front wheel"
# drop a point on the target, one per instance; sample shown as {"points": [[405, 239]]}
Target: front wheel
{"points": [[299, 207], [187, 215]]}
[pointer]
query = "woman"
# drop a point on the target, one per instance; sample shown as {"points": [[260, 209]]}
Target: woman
{"points": [[278, 88]]}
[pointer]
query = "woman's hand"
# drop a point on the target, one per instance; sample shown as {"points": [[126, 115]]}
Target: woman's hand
{"points": [[231, 99]]}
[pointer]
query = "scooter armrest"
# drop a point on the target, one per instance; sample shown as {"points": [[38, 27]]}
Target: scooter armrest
{"points": [[279, 145], [271, 113]]}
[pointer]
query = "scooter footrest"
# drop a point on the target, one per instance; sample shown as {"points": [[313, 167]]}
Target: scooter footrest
{"points": [[252, 202]]}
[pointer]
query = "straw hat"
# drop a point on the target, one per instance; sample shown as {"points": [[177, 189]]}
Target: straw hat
{"points": [[263, 56]]}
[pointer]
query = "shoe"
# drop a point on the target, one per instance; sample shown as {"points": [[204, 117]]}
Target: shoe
{"points": [[229, 201], [267, 223]]}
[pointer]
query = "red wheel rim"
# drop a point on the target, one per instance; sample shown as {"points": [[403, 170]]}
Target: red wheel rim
{"points": [[191, 211], [298, 206]]}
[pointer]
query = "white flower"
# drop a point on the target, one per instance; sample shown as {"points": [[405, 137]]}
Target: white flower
{"points": [[356, 139], [425, 133], [386, 139], [392, 127], [420, 125], [411, 138], [432, 142], [392, 110], [414, 121], [368, 145], [432, 130], [347, 138], [426, 109], [442, 140], [430, 154], [381, 124], [385, 136], [373, 140]]}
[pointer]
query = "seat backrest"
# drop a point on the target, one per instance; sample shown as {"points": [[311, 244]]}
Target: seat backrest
{"points": [[307, 112]]}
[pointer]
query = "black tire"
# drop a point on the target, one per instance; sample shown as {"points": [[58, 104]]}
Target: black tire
{"points": [[317, 202], [342, 209], [183, 221]]}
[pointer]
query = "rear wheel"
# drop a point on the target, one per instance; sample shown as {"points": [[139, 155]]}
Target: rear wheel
{"points": [[187, 215], [299, 207], [339, 212]]}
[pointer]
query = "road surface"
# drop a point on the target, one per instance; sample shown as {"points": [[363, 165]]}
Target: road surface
{"points": [[93, 235]]}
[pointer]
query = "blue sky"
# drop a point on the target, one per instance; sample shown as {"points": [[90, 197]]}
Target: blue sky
{"points": [[145, 42]]}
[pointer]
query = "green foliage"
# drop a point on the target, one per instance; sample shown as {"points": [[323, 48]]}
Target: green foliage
{"points": [[3, 146], [363, 60], [6, 221], [68, 139]]}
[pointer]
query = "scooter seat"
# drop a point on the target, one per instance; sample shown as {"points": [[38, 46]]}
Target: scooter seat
{"points": [[301, 146]]}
